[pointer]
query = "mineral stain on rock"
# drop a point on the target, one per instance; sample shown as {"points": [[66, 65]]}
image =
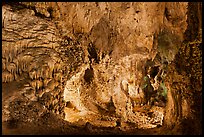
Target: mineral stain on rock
{"points": [[101, 68]]}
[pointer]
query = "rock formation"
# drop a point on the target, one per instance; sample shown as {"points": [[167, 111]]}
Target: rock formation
{"points": [[116, 65]]}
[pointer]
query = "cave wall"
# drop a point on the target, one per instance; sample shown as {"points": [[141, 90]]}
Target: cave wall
{"points": [[126, 27], [187, 68]]}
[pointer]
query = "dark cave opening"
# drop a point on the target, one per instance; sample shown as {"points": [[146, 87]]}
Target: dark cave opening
{"points": [[89, 74], [154, 71]]}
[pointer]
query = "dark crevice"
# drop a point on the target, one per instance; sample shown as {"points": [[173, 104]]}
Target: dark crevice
{"points": [[193, 21], [50, 10], [93, 53], [137, 11], [149, 63], [154, 71], [89, 74], [38, 14], [96, 4], [16, 6], [166, 14]]}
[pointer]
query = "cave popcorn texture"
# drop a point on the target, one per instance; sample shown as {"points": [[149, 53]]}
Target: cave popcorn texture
{"points": [[72, 95], [124, 92]]}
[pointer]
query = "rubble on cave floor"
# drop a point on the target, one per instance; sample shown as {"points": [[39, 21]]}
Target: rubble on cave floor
{"points": [[21, 110]]}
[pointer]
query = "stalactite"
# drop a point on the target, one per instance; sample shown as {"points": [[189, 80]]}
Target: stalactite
{"points": [[54, 70], [15, 76], [15, 50], [46, 81], [7, 57], [7, 77], [3, 64], [36, 85], [39, 84], [11, 68], [31, 75], [17, 67], [3, 77], [40, 73], [20, 47], [24, 65], [52, 84], [45, 71], [33, 84], [18, 50], [51, 65], [3, 52], [37, 73]]}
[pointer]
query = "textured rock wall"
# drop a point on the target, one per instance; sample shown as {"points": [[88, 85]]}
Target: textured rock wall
{"points": [[126, 26]]}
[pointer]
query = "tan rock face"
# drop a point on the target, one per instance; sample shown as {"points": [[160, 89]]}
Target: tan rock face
{"points": [[93, 57], [119, 27]]}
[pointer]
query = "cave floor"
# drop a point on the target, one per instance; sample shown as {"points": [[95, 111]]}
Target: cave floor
{"points": [[44, 122], [55, 126]]}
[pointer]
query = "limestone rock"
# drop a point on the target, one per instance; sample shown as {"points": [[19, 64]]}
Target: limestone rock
{"points": [[89, 62]]}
